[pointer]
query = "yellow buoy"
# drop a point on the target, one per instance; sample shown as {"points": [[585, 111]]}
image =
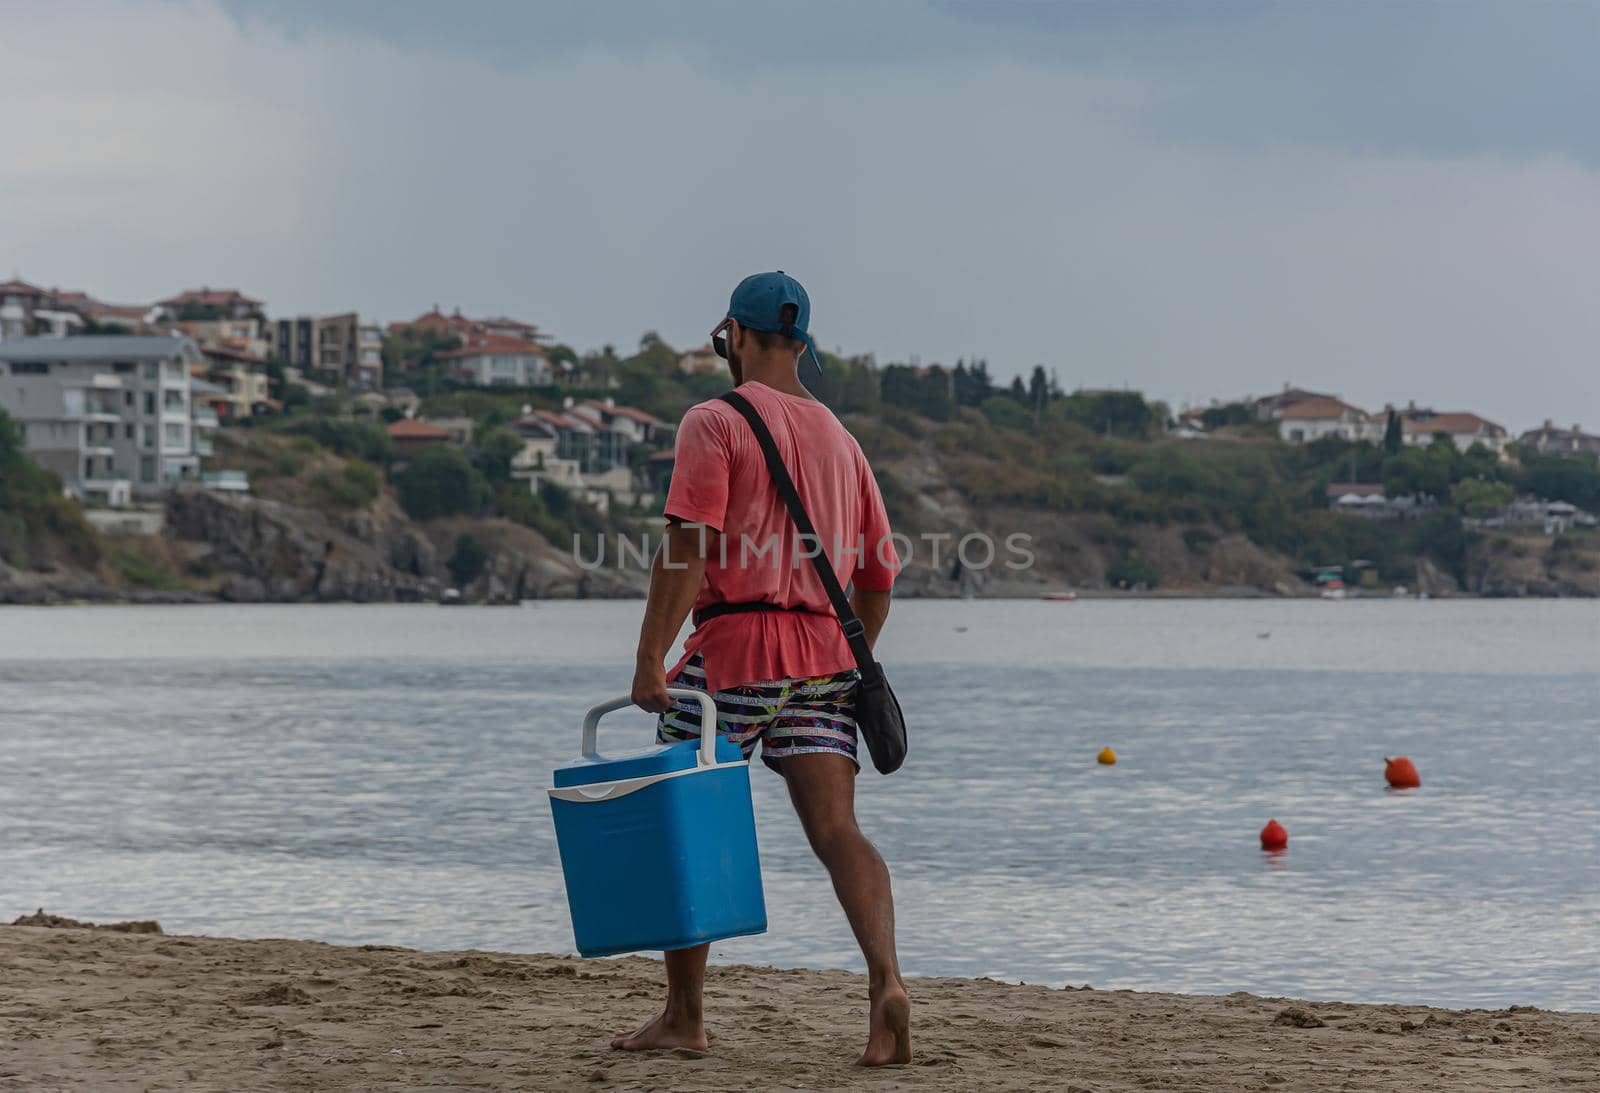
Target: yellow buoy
{"points": [[1107, 756]]}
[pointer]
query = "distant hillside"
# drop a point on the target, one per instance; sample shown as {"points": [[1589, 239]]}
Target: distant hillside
{"points": [[1105, 499]]}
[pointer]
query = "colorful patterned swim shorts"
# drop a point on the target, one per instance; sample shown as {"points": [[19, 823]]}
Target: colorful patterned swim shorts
{"points": [[788, 716]]}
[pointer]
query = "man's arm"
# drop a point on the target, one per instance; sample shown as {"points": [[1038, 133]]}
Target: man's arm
{"points": [[675, 576], [872, 608]]}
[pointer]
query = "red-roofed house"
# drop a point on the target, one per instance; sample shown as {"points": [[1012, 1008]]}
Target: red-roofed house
{"points": [[411, 436], [1315, 418], [495, 360], [27, 309], [509, 328], [460, 326], [456, 325], [635, 426], [1272, 406], [574, 454], [214, 301], [1463, 429], [698, 362], [132, 316]]}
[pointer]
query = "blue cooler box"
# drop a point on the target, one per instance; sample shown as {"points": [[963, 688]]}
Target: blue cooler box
{"points": [[658, 847]]}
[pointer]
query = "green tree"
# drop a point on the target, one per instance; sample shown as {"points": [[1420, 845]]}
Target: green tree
{"points": [[467, 560], [496, 449], [1479, 498], [1442, 537], [1232, 413], [1393, 437], [926, 391], [1113, 413], [1420, 471], [441, 482], [1130, 570], [973, 386], [848, 385], [1574, 479], [1038, 390], [415, 356], [1005, 412]]}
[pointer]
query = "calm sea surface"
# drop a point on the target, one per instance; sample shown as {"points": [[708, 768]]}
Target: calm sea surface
{"points": [[377, 774]]}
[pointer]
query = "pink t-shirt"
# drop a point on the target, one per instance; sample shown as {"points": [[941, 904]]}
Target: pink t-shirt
{"points": [[720, 479]]}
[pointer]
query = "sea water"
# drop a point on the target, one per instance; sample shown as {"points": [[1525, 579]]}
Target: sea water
{"points": [[377, 774]]}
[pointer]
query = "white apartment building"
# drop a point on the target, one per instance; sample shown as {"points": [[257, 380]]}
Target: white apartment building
{"points": [[114, 416]]}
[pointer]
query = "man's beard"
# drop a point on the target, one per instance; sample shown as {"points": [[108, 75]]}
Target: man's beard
{"points": [[735, 365]]}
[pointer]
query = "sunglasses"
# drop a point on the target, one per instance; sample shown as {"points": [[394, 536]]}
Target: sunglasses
{"points": [[718, 342]]}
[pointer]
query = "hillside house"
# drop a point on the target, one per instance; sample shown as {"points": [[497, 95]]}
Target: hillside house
{"points": [[1271, 407], [1315, 418], [412, 437], [699, 362], [635, 426], [210, 302], [1549, 440], [241, 381], [1463, 429], [499, 360]]}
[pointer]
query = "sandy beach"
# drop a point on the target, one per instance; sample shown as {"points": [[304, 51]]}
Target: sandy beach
{"points": [[105, 1010]]}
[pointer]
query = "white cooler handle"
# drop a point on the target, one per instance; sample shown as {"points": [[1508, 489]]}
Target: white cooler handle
{"points": [[708, 722]]}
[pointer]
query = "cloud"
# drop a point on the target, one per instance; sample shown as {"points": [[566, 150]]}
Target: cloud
{"points": [[1450, 77], [1444, 77], [945, 184]]}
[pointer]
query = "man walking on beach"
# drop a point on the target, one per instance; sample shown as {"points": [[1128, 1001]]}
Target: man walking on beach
{"points": [[767, 644]]}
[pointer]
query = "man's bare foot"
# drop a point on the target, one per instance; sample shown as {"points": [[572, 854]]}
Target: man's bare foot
{"points": [[666, 1031], [889, 1039]]}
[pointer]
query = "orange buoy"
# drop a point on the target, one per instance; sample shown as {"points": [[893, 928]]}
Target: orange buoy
{"points": [[1274, 837], [1106, 757], [1401, 773]]}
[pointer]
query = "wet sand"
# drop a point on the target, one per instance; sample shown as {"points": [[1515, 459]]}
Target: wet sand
{"points": [[104, 1010]]}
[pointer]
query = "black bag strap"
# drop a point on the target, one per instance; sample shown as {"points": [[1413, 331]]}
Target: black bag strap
{"points": [[855, 632]]}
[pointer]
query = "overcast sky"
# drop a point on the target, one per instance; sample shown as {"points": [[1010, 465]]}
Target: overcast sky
{"points": [[1388, 200]]}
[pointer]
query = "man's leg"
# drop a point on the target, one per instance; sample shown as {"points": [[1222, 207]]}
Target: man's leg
{"points": [[822, 787], [681, 1024]]}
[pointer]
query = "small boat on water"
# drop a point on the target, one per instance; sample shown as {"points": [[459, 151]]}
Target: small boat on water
{"points": [[1060, 597], [1330, 582]]}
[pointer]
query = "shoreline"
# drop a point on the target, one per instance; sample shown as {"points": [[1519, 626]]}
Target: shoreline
{"points": [[98, 1008], [186, 599]]}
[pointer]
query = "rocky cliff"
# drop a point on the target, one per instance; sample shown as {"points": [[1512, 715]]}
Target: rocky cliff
{"points": [[243, 549], [264, 550]]}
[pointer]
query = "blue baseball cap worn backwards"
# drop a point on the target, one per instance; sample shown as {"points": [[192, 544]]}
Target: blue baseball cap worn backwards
{"points": [[757, 304]]}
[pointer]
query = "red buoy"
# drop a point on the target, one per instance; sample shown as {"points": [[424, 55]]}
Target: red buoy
{"points": [[1274, 837], [1400, 773]]}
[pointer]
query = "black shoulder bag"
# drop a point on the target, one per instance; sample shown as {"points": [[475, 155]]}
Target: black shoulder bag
{"points": [[878, 713]]}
